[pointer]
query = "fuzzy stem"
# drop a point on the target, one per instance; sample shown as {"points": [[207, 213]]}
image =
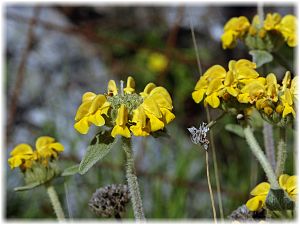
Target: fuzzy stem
{"points": [[281, 153], [260, 12], [269, 143], [209, 187], [133, 182], [215, 162], [55, 203], [256, 150]]}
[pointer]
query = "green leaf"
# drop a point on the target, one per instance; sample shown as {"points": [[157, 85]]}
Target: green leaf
{"points": [[70, 170], [99, 147], [261, 57], [277, 199], [236, 129], [27, 187]]}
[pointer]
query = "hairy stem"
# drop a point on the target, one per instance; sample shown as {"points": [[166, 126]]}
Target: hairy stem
{"points": [[209, 187], [133, 182], [281, 153], [269, 143], [55, 203], [256, 150]]}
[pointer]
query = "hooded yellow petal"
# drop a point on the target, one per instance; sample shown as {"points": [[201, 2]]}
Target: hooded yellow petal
{"points": [[214, 86], [282, 180], [22, 149], [291, 184], [256, 203], [58, 147], [130, 85], [162, 91], [122, 117], [97, 103], [215, 72], [112, 88], [151, 107], [43, 141], [149, 87], [88, 96], [83, 110], [261, 189]]}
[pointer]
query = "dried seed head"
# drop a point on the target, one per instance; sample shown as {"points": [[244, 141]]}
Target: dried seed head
{"points": [[110, 201], [242, 214], [198, 136]]}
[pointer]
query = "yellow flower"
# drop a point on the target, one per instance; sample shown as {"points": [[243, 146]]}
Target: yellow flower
{"points": [[120, 128], [289, 185], [47, 147], [272, 21], [288, 27], [215, 72], [157, 107], [260, 193], [91, 110], [252, 91], [127, 112], [235, 28], [22, 155], [157, 62], [288, 98]]}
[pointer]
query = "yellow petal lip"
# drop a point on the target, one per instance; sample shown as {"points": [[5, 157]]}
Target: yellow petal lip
{"points": [[198, 95], [256, 203], [57, 147], [213, 100], [82, 126], [261, 189], [120, 130]]}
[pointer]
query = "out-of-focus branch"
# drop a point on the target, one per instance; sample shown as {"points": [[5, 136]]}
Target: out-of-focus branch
{"points": [[95, 36], [21, 70]]}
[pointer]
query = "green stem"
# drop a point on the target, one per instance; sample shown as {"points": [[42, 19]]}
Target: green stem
{"points": [[55, 203], [133, 182], [281, 153], [269, 143], [256, 150]]}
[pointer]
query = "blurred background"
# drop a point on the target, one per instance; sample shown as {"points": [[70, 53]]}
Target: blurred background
{"points": [[55, 53]]}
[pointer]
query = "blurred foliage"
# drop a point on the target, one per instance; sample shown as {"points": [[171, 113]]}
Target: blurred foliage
{"points": [[171, 171]]}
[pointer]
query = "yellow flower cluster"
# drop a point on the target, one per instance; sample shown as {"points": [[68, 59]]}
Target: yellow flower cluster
{"points": [[240, 27], [234, 29], [23, 155], [242, 84], [260, 192], [157, 62], [126, 111]]}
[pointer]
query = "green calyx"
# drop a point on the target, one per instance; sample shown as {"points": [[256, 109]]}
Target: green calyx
{"points": [[40, 173], [131, 102]]}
